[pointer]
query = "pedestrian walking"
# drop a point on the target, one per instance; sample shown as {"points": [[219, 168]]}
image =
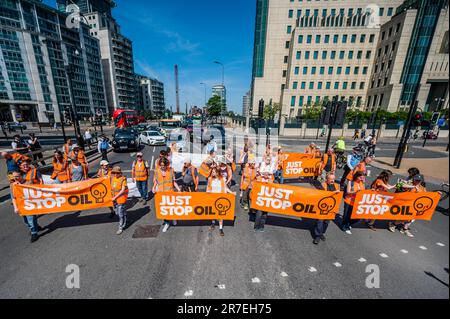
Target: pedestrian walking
{"points": [[265, 174], [103, 146], [353, 187], [88, 137], [140, 173], [35, 146], [363, 134], [119, 189], [321, 226], [60, 166], [190, 178], [105, 171], [164, 181], [30, 221], [226, 172], [19, 146], [356, 135], [352, 161], [217, 185]]}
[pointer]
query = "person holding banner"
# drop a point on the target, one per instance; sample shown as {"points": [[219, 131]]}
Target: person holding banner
{"points": [[60, 174], [77, 171], [353, 187], [243, 158], [78, 154], [140, 173], [31, 175], [30, 221], [230, 159], [190, 177], [105, 171], [164, 181], [13, 162], [266, 171], [328, 164], [381, 184], [281, 157], [248, 177], [321, 226], [217, 185], [226, 172], [67, 148], [119, 189]]}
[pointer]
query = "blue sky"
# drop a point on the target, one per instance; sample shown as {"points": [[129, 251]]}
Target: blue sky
{"points": [[191, 34]]}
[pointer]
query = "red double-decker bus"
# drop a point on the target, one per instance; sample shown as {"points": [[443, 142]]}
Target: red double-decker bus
{"points": [[126, 118]]}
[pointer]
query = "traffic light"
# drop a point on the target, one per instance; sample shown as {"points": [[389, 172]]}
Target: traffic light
{"points": [[261, 109], [435, 118], [326, 115], [418, 119], [340, 113]]}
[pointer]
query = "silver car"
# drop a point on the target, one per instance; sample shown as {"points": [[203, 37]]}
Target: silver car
{"points": [[153, 138]]}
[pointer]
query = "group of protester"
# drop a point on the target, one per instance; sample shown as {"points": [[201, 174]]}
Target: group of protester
{"points": [[71, 165]]}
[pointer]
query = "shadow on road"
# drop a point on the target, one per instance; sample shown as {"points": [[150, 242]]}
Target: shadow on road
{"points": [[434, 277]]}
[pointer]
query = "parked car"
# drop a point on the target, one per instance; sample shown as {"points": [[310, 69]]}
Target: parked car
{"points": [[126, 140], [153, 138], [15, 126], [181, 139]]}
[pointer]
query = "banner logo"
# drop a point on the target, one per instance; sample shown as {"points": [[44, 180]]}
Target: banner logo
{"points": [[222, 206], [99, 192], [422, 205], [326, 205]]}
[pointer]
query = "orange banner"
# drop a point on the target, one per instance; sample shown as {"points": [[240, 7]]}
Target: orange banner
{"points": [[295, 201], [62, 198], [402, 206], [194, 206], [301, 165]]}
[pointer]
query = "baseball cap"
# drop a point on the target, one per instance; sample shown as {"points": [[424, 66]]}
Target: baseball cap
{"points": [[116, 170], [418, 178], [75, 146], [139, 154], [103, 163]]}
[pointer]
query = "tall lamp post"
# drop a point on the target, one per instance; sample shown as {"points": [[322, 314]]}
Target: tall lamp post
{"points": [[76, 125]]}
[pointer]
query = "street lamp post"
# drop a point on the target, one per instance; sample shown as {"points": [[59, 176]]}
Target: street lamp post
{"points": [[76, 124]]}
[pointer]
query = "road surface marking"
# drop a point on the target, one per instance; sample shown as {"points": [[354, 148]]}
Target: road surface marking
{"points": [[154, 149], [440, 244], [132, 154], [337, 265], [362, 260], [423, 247], [221, 287], [283, 274], [256, 280], [404, 251], [153, 159], [383, 255], [189, 293], [312, 269]]}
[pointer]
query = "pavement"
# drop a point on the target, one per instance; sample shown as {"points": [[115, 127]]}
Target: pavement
{"points": [[190, 262]]}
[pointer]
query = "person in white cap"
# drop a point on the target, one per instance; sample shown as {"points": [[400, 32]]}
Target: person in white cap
{"points": [[105, 171], [140, 174]]}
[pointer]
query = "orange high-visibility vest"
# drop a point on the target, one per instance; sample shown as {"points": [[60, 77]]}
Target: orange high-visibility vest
{"points": [[116, 186], [164, 183], [31, 177], [101, 173], [66, 151], [350, 198], [222, 185], [248, 178], [204, 170], [325, 160], [18, 158], [80, 156], [140, 171], [194, 178], [325, 186], [60, 171], [361, 167]]}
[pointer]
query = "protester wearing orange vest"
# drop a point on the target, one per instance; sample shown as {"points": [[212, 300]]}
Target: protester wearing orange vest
{"points": [[13, 162], [381, 184], [31, 174], [217, 184], [140, 174], [105, 171], [361, 167], [119, 189], [321, 226], [328, 164], [77, 171], [189, 177], [281, 158], [265, 174], [30, 221], [164, 181], [78, 154], [67, 148], [248, 177], [60, 174], [353, 187]]}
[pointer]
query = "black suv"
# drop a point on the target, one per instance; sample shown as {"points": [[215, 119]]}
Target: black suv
{"points": [[126, 140]]}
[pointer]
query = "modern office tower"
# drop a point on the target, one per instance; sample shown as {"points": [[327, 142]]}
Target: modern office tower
{"points": [[412, 54], [307, 52], [246, 100], [39, 53], [116, 51], [220, 90], [151, 95]]}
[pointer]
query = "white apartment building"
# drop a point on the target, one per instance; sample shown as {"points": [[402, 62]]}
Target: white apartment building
{"points": [[307, 52], [246, 102]]}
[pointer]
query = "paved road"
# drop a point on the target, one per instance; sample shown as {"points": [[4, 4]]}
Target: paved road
{"points": [[191, 262]]}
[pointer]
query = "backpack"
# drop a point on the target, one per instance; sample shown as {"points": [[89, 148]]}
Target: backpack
{"points": [[104, 145]]}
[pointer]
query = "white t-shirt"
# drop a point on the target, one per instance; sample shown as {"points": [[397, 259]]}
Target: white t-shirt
{"points": [[216, 186]]}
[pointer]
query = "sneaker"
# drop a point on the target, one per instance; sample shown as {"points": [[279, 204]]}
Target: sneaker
{"points": [[119, 232], [316, 241], [246, 207], [261, 230], [407, 232], [165, 228], [323, 238], [34, 238], [392, 228], [372, 227], [348, 232], [222, 234]]}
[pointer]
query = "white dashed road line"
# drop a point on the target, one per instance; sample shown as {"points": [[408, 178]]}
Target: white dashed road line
{"points": [[256, 280], [440, 244], [404, 251], [283, 274], [383, 255], [337, 265], [362, 260], [312, 269], [189, 293], [423, 247], [221, 287]]}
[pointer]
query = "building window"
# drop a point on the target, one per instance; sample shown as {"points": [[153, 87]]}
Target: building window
{"points": [[313, 70], [295, 85], [300, 101], [317, 38], [284, 73], [296, 70], [359, 55], [309, 39], [299, 55], [316, 55], [350, 55], [306, 55], [353, 86], [327, 38], [353, 40], [299, 13], [309, 101], [362, 39], [287, 44], [291, 13], [286, 59], [390, 11], [381, 100], [289, 29], [368, 54], [394, 44], [319, 85], [330, 70], [344, 38], [371, 38], [397, 29], [293, 98], [335, 38], [336, 85], [324, 55], [390, 32], [300, 39], [311, 85], [383, 35], [328, 85], [305, 70], [385, 81], [347, 70], [381, 12], [339, 70], [322, 70], [303, 85], [356, 71], [333, 55], [341, 55], [344, 85], [365, 70]]}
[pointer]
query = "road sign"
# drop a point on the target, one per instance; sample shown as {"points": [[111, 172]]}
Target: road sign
{"points": [[441, 122]]}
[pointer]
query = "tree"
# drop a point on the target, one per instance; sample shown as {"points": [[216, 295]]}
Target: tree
{"points": [[214, 106], [270, 111]]}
